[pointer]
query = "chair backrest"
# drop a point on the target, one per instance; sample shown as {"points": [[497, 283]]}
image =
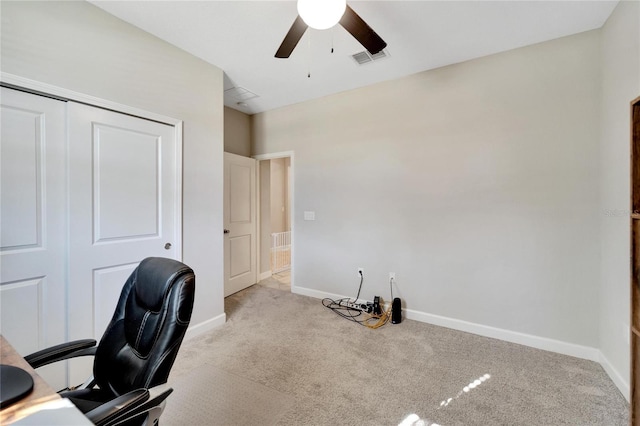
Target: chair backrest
{"points": [[142, 340]]}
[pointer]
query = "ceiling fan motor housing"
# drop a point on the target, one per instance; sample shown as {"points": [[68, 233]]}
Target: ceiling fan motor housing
{"points": [[321, 14]]}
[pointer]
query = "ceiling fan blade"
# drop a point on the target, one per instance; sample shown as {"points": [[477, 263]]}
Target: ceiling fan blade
{"points": [[362, 32], [292, 38]]}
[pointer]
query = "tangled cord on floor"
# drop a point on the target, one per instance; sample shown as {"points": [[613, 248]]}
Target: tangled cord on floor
{"points": [[369, 320], [356, 315]]}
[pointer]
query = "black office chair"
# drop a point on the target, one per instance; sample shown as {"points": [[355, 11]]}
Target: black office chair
{"points": [[138, 348]]}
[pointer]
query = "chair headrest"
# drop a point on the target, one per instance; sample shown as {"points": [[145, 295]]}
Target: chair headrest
{"points": [[154, 279]]}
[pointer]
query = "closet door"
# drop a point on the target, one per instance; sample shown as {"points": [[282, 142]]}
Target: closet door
{"points": [[123, 208], [33, 225]]}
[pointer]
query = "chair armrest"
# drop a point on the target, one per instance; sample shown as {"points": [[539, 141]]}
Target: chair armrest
{"points": [[60, 352], [112, 410], [138, 413]]}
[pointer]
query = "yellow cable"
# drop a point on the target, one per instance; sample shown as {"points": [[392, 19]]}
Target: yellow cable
{"points": [[382, 318]]}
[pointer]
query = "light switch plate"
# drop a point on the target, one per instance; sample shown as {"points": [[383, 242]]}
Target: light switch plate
{"points": [[309, 215]]}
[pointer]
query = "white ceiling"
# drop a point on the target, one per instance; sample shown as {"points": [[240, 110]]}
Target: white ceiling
{"points": [[241, 38]]}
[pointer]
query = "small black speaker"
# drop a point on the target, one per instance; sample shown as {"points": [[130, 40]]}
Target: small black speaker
{"points": [[396, 311]]}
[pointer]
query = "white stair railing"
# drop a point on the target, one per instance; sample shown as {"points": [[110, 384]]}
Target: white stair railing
{"points": [[280, 251]]}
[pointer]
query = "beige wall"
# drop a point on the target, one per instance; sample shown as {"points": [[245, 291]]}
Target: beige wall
{"points": [[79, 47], [274, 204], [237, 132], [475, 183], [279, 194], [620, 85]]}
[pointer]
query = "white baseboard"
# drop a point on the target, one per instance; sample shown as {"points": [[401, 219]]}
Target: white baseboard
{"points": [[314, 293], [203, 327], [558, 346], [264, 275], [533, 341], [615, 376]]}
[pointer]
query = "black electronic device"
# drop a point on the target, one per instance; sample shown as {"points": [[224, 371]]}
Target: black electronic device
{"points": [[396, 311], [377, 309]]}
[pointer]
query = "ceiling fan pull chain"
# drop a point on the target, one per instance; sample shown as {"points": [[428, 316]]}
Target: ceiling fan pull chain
{"points": [[333, 33], [309, 57]]}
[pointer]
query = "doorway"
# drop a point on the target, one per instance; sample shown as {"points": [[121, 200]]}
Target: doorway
{"points": [[276, 227]]}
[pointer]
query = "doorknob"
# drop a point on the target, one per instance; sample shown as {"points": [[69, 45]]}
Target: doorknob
{"points": [[226, 231], [167, 246]]}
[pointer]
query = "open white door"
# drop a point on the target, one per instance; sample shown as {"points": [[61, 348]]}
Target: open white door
{"points": [[240, 265], [123, 202]]}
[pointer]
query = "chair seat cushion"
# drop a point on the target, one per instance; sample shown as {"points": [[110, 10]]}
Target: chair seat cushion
{"points": [[87, 399]]}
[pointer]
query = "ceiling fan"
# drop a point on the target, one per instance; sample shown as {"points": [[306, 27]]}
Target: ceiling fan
{"points": [[323, 14]]}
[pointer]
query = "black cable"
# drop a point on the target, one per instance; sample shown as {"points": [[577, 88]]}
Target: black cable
{"points": [[343, 311], [353, 314], [360, 287]]}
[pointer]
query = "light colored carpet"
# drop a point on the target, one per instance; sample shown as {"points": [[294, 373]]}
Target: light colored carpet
{"points": [[281, 281], [212, 396], [337, 372]]}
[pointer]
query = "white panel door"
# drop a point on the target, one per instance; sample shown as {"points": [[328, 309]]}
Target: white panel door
{"points": [[33, 225], [123, 198], [240, 265]]}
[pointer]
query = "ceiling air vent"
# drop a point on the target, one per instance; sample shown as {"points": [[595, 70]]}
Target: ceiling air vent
{"points": [[365, 57], [240, 94]]}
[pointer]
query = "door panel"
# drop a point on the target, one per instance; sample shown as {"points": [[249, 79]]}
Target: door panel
{"points": [[240, 184], [116, 160], [240, 255], [122, 198], [21, 314], [33, 225], [240, 219], [107, 284], [22, 134]]}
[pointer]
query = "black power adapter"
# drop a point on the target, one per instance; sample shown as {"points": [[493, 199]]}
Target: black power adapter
{"points": [[396, 311], [377, 309]]}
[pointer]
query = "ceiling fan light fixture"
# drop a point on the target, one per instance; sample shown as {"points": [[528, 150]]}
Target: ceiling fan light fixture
{"points": [[321, 14]]}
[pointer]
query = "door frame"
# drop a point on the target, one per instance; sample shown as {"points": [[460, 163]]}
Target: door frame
{"points": [[273, 156], [44, 89]]}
